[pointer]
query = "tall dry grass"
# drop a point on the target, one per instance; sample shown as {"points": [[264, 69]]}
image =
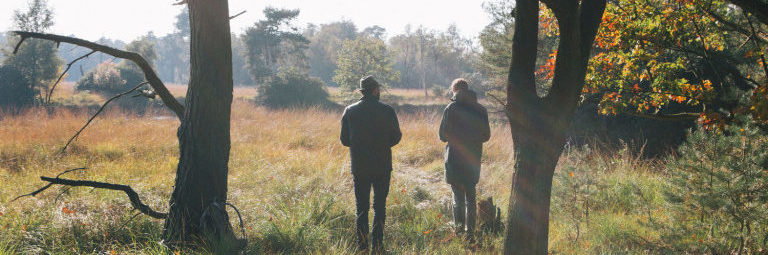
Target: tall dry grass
{"points": [[289, 176]]}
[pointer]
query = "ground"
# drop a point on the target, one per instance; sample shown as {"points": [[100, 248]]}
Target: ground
{"points": [[290, 180]]}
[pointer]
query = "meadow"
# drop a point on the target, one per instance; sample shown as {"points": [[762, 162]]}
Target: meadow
{"points": [[289, 176]]}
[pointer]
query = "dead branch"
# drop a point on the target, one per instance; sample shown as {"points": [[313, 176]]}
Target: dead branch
{"points": [[235, 16], [63, 149], [69, 65], [142, 63], [132, 195], [34, 193]]}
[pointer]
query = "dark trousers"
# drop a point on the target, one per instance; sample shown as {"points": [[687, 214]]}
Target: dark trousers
{"points": [[464, 201], [363, 186]]}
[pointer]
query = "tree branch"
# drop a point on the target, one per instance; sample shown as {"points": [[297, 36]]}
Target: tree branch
{"points": [[674, 116], [235, 16], [63, 149], [34, 193], [142, 63], [132, 195], [521, 84], [69, 65]]}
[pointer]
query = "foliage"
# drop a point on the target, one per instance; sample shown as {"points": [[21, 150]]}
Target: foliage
{"points": [[425, 57], [109, 79], [694, 56], [364, 56], [105, 80], [496, 41], [292, 88], [36, 59], [273, 44], [721, 189], [16, 92], [324, 45]]}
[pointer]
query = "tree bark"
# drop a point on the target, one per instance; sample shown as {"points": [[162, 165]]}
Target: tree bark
{"points": [[539, 124], [200, 193]]}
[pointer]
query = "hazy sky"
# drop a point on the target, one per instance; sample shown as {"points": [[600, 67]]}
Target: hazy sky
{"points": [[128, 19]]}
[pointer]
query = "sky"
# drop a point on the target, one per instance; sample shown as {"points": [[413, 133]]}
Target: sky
{"points": [[128, 19]]}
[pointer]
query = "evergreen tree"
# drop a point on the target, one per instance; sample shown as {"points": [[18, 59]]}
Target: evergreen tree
{"points": [[37, 60]]}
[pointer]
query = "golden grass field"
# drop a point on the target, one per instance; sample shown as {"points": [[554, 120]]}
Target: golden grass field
{"points": [[289, 176]]}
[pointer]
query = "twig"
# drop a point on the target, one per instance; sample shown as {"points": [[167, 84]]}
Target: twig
{"points": [[34, 193], [242, 225], [69, 65], [132, 195], [63, 149], [128, 221], [235, 16]]}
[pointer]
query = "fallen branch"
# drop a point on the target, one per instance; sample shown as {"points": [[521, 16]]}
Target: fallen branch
{"points": [[63, 149], [34, 193], [136, 58], [69, 65], [132, 195]]}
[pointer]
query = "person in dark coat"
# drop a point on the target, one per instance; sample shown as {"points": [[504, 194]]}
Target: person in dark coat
{"points": [[370, 128], [465, 127]]}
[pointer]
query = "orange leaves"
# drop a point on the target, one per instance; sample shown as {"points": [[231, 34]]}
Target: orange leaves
{"points": [[547, 70], [67, 210], [428, 231], [1, 214]]}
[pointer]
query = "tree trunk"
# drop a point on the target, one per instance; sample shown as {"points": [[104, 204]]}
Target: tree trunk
{"points": [[539, 124], [197, 205]]}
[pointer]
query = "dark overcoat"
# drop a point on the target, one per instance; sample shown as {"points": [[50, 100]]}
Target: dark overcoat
{"points": [[465, 127], [370, 128]]}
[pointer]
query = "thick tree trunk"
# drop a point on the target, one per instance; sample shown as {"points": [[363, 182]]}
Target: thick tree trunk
{"points": [[197, 205], [539, 124]]}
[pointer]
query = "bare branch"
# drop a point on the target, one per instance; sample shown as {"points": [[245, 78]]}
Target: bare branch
{"points": [[18, 45], [132, 195], [63, 149], [142, 63], [34, 193], [673, 117], [69, 65], [238, 14]]}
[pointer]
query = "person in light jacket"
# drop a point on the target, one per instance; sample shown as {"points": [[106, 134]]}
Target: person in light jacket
{"points": [[465, 128]]}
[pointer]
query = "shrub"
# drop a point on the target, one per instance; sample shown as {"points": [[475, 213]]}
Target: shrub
{"points": [[16, 92], [721, 189], [105, 79], [109, 79], [291, 88]]}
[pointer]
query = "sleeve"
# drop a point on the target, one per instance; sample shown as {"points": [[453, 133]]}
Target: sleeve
{"points": [[443, 132], [345, 129], [486, 132], [396, 134]]}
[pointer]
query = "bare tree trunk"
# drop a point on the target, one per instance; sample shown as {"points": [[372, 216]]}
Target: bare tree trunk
{"points": [[200, 193], [421, 61], [539, 124]]}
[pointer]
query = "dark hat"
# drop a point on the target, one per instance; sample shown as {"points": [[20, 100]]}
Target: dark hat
{"points": [[367, 83]]}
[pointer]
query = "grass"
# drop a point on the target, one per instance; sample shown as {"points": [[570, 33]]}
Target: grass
{"points": [[290, 178]]}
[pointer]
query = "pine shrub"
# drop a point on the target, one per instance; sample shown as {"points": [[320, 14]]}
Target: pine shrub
{"points": [[721, 190]]}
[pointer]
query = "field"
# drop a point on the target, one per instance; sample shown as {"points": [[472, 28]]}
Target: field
{"points": [[290, 179]]}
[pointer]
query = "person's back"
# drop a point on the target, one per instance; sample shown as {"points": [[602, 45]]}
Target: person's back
{"points": [[465, 128], [370, 128]]}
